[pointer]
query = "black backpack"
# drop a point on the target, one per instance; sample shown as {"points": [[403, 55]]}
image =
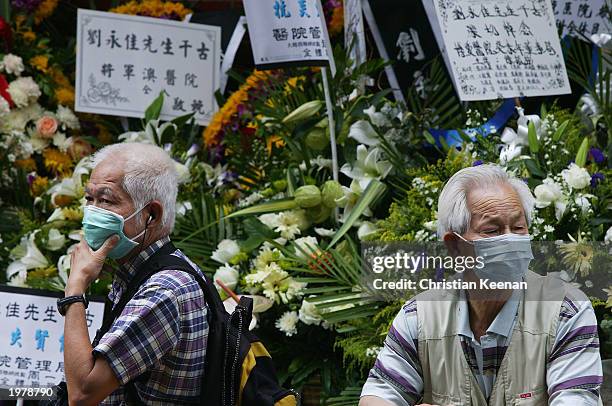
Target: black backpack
{"points": [[238, 368]]}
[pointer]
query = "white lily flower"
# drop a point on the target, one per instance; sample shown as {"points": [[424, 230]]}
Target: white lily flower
{"points": [[367, 166], [377, 118], [26, 256], [365, 229], [351, 196], [509, 152], [226, 250], [363, 132], [57, 214], [56, 240]]}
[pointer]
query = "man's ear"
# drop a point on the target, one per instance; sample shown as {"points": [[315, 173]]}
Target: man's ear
{"points": [[451, 241], [155, 214]]}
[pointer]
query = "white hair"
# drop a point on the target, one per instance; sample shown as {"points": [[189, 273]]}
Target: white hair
{"points": [[453, 213], [149, 174]]}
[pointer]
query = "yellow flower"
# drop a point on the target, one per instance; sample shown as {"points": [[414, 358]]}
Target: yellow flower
{"points": [[39, 185], [44, 10], [104, 136], [40, 62], [72, 213], [274, 141], [608, 292], [29, 36], [57, 162], [65, 96], [578, 255]]}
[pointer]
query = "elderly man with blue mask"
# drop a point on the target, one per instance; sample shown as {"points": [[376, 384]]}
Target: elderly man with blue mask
{"points": [[153, 351], [461, 349]]}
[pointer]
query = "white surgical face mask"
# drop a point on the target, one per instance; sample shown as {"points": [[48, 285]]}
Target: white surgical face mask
{"points": [[506, 257]]}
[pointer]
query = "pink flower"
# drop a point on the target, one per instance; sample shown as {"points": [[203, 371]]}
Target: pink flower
{"points": [[46, 126]]}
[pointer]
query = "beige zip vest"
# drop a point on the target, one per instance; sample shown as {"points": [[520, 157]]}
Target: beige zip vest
{"points": [[521, 379]]}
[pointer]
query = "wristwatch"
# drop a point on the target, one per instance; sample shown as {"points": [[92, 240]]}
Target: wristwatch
{"points": [[64, 302]]}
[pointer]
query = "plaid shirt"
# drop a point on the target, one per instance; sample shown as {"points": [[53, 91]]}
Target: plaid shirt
{"points": [[162, 331]]}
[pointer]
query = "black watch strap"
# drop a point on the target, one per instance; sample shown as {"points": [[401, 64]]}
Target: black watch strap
{"points": [[64, 302]]}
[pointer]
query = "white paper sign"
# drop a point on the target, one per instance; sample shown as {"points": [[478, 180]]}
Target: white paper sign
{"points": [[502, 48], [32, 337], [354, 34], [124, 62], [582, 17], [288, 32]]}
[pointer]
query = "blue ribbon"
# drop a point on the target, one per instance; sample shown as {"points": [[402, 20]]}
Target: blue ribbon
{"points": [[497, 122]]}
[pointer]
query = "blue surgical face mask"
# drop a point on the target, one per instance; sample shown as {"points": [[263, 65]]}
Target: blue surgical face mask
{"points": [[506, 257], [99, 224]]}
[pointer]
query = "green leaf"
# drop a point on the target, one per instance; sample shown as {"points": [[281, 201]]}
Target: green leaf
{"points": [[430, 139], [560, 131], [153, 111], [581, 155], [373, 191], [276, 205], [182, 120], [534, 144], [534, 168]]}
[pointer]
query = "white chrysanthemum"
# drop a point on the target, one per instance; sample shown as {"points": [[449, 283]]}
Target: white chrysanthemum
{"points": [[12, 64], [5, 108], [287, 323], [67, 118], [305, 246], [226, 250], [291, 223], [608, 237], [309, 314], [23, 91], [228, 275], [576, 177]]}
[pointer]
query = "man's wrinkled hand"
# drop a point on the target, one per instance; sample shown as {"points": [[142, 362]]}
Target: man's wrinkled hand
{"points": [[86, 265]]}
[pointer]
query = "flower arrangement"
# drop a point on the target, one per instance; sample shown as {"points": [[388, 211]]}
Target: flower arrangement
{"points": [[169, 10]]}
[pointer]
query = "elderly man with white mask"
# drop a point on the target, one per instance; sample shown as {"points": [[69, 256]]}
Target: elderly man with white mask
{"points": [[454, 349], [153, 352]]}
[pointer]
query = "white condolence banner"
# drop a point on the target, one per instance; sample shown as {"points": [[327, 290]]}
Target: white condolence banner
{"points": [[502, 48], [32, 336], [288, 32], [124, 62]]}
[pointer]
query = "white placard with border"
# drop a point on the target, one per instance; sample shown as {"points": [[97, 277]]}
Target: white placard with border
{"points": [[124, 62], [502, 48], [31, 336], [288, 33]]}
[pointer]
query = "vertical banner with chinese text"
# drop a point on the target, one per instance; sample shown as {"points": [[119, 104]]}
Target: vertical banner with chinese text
{"points": [[288, 33]]}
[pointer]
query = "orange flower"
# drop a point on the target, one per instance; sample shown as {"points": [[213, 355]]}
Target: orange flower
{"points": [[223, 117], [27, 164]]}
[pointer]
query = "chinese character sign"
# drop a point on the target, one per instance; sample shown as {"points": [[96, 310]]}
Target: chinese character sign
{"points": [[124, 62], [502, 49], [288, 32], [582, 17], [32, 337]]}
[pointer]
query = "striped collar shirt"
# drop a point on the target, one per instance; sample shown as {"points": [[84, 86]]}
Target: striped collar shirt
{"points": [[573, 372]]}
